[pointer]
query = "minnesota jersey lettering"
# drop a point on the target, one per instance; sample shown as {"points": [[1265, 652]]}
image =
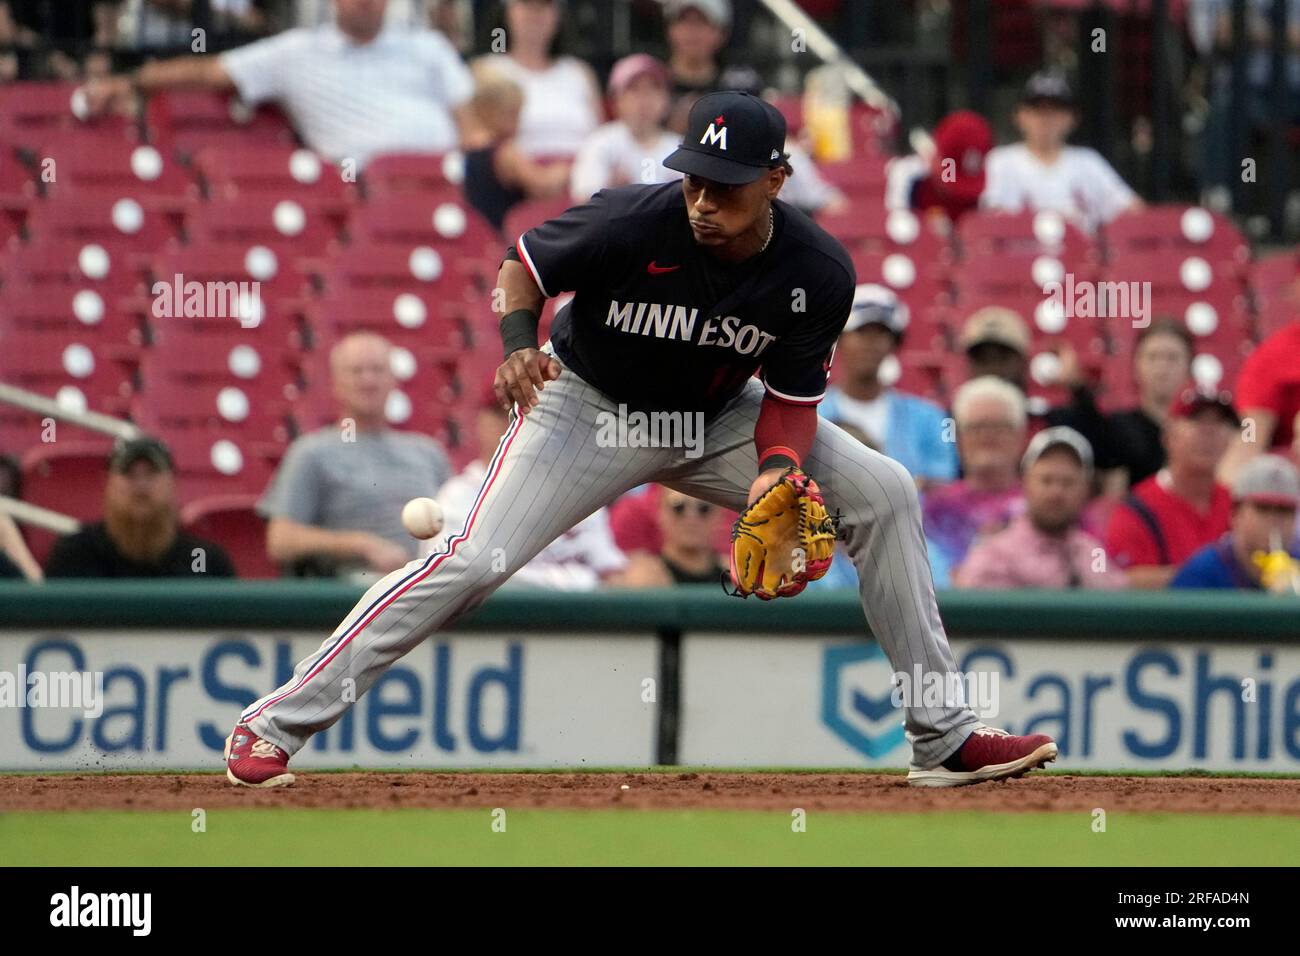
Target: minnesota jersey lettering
{"points": [[674, 322]]}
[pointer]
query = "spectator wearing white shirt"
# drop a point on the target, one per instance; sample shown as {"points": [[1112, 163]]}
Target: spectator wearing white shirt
{"points": [[351, 89], [561, 96], [633, 147], [581, 559], [1045, 173]]}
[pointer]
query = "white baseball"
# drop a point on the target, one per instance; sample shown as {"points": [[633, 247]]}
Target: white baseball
{"points": [[422, 517]]}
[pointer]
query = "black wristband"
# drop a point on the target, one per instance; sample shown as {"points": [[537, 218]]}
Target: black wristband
{"points": [[518, 330], [777, 461]]}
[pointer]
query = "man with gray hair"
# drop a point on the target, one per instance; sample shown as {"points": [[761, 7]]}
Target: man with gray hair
{"points": [[1045, 547], [335, 503], [991, 421]]}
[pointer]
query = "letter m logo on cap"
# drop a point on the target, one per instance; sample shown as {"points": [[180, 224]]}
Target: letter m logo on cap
{"points": [[715, 136]]}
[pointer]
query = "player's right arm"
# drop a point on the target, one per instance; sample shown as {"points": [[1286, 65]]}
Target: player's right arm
{"points": [[526, 369]]}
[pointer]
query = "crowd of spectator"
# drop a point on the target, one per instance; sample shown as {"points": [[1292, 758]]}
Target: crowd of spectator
{"points": [[1167, 491]]}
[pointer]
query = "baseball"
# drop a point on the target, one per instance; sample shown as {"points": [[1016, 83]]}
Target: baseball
{"points": [[422, 517]]}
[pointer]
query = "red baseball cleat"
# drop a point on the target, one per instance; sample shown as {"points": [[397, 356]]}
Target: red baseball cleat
{"points": [[988, 754], [254, 762]]}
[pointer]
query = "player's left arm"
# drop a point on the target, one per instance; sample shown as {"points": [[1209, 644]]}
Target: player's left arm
{"points": [[795, 377]]}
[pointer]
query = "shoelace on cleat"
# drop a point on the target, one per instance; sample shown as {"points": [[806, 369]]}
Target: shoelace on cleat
{"points": [[263, 748]]}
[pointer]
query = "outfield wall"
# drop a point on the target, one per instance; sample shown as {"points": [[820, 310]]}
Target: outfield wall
{"points": [[534, 679]]}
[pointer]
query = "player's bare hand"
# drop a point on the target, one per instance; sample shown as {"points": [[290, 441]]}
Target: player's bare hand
{"points": [[380, 553], [521, 376], [763, 482]]}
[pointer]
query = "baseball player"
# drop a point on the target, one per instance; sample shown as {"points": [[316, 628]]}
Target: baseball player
{"points": [[682, 291]]}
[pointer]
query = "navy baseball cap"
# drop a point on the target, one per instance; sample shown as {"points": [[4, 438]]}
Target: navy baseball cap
{"points": [[731, 137]]}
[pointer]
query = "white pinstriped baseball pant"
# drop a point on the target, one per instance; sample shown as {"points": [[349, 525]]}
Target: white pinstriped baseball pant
{"points": [[549, 472]]}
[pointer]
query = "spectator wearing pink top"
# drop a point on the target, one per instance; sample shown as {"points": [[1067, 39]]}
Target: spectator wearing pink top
{"points": [[1045, 547]]}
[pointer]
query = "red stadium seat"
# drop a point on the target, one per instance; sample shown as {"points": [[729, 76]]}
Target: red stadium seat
{"points": [[403, 317], [1179, 230], [118, 221], [103, 165], [531, 213], [297, 225], [275, 271], [918, 282], [861, 178], [1274, 315], [1276, 277], [265, 369], [30, 112], [67, 477], [424, 221], [17, 193], [982, 233], [76, 372], [422, 174], [71, 311], [187, 121], [232, 521], [210, 464], [286, 172], [68, 262], [876, 230]]}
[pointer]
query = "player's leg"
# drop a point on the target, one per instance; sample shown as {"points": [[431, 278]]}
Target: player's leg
{"points": [[550, 471], [881, 519]]}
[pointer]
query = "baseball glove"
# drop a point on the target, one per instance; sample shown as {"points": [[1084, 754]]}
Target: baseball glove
{"points": [[783, 540]]}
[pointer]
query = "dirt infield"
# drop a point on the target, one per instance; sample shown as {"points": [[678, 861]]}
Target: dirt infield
{"points": [[835, 792]]}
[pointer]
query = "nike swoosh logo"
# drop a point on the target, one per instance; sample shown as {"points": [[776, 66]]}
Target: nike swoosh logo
{"points": [[655, 270]]}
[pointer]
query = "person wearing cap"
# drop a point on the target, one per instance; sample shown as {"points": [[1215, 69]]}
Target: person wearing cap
{"points": [[140, 535], [991, 422], [1046, 547], [1268, 393], [696, 31], [1044, 172], [996, 342], [334, 505], [633, 147], [714, 305], [905, 427], [582, 559], [1180, 508], [1265, 496], [948, 180], [561, 96]]}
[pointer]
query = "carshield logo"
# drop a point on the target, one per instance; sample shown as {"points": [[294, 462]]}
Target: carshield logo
{"points": [[857, 699]]}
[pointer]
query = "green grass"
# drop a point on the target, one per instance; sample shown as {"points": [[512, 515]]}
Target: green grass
{"points": [[637, 837], [1064, 772]]}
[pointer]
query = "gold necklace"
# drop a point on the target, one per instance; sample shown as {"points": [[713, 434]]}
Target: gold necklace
{"points": [[771, 227]]}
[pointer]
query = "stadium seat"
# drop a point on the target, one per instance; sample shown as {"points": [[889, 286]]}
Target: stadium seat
{"points": [[420, 269], [876, 230], [531, 213], [168, 404], [118, 221], [184, 122], [67, 477], [68, 262], [233, 522], [284, 172], [411, 315], [17, 193], [102, 165], [1276, 277], [983, 233], [263, 369], [918, 282], [1178, 230], [71, 311], [30, 112], [275, 272], [421, 174], [210, 464], [297, 226], [426, 221], [76, 372], [861, 178], [1274, 315]]}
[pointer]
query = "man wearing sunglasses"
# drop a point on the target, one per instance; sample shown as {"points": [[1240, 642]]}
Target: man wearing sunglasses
{"points": [[682, 292]]}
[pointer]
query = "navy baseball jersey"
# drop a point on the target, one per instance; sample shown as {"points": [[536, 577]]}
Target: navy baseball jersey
{"points": [[659, 323]]}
